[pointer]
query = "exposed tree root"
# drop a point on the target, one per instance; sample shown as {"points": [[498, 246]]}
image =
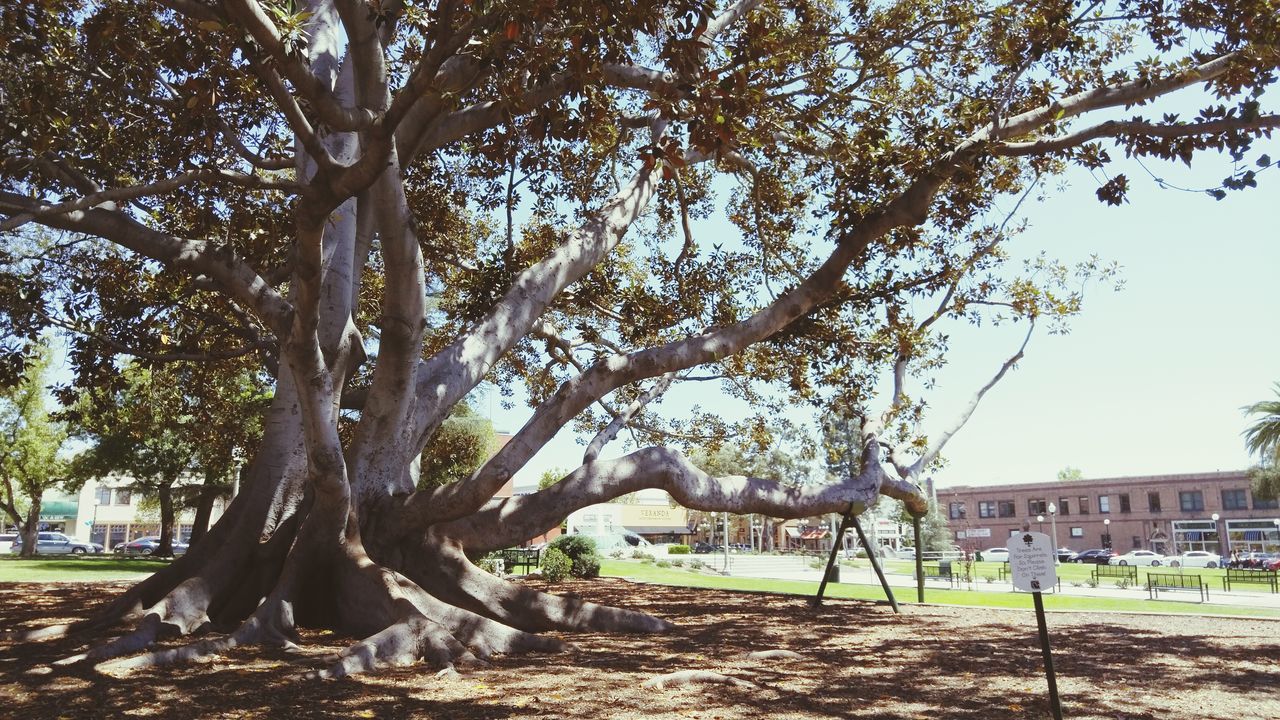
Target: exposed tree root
{"points": [[695, 677], [456, 580], [771, 655], [400, 644]]}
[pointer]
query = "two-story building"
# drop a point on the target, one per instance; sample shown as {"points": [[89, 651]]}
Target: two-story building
{"points": [[1214, 511]]}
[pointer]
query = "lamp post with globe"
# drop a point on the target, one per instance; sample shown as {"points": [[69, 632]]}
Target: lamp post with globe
{"points": [[1223, 550], [1053, 522], [1106, 534]]}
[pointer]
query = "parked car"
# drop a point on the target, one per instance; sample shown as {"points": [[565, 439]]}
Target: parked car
{"points": [[905, 553], [996, 554], [702, 548], [1065, 554], [1196, 558], [1097, 556], [55, 543], [146, 546], [1138, 557]]}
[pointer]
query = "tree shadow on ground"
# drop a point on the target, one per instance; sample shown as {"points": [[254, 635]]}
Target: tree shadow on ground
{"points": [[859, 661]]}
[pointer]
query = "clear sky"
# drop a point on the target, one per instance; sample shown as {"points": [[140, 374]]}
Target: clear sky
{"points": [[1150, 379]]}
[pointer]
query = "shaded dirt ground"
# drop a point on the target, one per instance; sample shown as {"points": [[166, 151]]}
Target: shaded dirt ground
{"points": [[859, 661]]}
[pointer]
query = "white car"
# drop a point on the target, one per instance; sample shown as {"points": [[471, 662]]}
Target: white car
{"points": [[995, 554], [1196, 558], [1139, 557]]}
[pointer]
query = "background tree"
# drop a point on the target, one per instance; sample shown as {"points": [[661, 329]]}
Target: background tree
{"points": [[1069, 473], [138, 429], [388, 204], [464, 441], [1262, 438], [30, 462]]}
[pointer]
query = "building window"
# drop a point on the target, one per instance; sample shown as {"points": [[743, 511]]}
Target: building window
{"points": [[987, 509], [1153, 501], [1007, 508], [1263, 504], [956, 511], [1191, 500], [103, 496], [1037, 507], [1137, 543], [1077, 532], [1124, 503], [1104, 504], [1235, 499], [123, 496], [1064, 506], [1082, 503]]}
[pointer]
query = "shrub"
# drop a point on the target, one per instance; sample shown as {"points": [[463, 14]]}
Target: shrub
{"points": [[616, 554], [555, 565], [679, 550], [663, 563], [574, 545], [646, 559], [640, 555], [989, 578], [586, 567], [581, 551], [491, 563], [678, 563], [1091, 582], [1122, 584], [696, 564]]}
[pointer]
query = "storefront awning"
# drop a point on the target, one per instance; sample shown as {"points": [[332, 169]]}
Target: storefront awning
{"points": [[814, 535], [793, 532], [57, 510]]}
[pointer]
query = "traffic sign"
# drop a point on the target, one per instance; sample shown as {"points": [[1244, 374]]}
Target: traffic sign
{"points": [[1031, 562]]}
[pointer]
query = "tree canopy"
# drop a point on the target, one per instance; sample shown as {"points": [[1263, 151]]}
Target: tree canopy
{"points": [[388, 203]]}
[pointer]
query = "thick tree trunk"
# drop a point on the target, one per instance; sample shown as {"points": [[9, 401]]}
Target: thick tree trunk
{"points": [[165, 495], [31, 529]]}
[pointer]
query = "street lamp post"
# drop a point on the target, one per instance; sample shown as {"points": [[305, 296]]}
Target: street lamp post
{"points": [[1106, 533], [1223, 551], [1040, 519], [1053, 522], [726, 543]]}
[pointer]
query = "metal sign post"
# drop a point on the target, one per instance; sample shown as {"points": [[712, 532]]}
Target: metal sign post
{"points": [[1031, 563]]}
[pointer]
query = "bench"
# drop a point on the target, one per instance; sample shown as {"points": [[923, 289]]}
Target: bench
{"points": [[1126, 572], [1250, 576], [942, 571], [527, 558], [1003, 570], [1171, 581]]}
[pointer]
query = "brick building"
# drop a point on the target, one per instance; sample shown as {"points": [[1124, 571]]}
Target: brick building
{"points": [[1165, 513]]}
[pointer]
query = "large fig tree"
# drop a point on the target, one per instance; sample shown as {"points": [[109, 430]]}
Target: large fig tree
{"points": [[389, 203]]}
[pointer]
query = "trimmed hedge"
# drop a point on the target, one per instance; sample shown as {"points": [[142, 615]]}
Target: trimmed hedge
{"points": [[679, 550]]}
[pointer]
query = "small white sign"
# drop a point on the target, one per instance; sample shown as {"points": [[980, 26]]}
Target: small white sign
{"points": [[1031, 562]]}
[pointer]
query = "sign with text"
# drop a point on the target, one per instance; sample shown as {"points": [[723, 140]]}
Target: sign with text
{"points": [[1031, 562]]}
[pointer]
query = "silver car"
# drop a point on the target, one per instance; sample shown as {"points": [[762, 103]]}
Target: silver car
{"points": [[55, 543]]}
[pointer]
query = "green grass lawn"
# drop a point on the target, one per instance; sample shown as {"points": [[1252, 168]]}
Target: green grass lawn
{"points": [[647, 572], [77, 568], [89, 569]]}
